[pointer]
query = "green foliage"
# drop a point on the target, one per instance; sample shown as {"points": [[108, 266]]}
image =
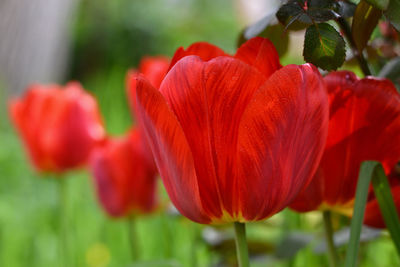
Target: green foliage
{"points": [[391, 71], [302, 13], [364, 178], [324, 47], [365, 19], [293, 13], [345, 9], [372, 171], [380, 4], [393, 13], [386, 205]]}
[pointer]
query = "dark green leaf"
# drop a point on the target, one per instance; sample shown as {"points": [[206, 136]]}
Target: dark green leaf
{"points": [[364, 179], [321, 10], [380, 4], [288, 11], [393, 13], [345, 9], [320, 3], [293, 16], [321, 14], [324, 47], [391, 70], [386, 205], [365, 19]]}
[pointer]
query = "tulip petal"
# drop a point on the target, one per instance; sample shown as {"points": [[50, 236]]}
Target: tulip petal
{"points": [[170, 149], [203, 50], [261, 54], [311, 197], [208, 99], [281, 139], [364, 125], [154, 69]]}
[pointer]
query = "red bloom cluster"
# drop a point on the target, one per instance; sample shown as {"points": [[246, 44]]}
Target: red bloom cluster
{"points": [[62, 129], [235, 137]]}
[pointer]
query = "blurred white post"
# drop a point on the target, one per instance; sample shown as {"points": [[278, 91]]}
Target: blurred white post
{"points": [[34, 42]]}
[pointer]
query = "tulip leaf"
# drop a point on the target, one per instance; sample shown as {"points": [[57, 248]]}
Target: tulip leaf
{"points": [[364, 179], [324, 47], [365, 19], [393, 13], [386, 204], [380, 4], [371, 170]]}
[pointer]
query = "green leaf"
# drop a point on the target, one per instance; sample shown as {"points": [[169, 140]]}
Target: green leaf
{"points": [[321, 14], [393, 13], [345, 9], [380, 4], [293, 16], [289, 11], [320, 3], [391, 71], [321, 10], [372, 170], [324, 47], [364, 179], [386, 204], [365, 19]]}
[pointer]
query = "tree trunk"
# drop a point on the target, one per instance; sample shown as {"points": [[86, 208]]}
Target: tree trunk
{"points": [[34, 42]]}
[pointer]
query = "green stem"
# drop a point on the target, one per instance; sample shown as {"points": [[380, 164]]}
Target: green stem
{"points": [[333, 258], [168, 235], [62, 217], [134, 247], [359, 55], [195, 239], [242, 251]]}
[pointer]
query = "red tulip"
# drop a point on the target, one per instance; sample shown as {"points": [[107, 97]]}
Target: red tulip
{"points": [[124, 175], [364, 125], [235, 138], [373, 216], [58, 126], [153, 68]]}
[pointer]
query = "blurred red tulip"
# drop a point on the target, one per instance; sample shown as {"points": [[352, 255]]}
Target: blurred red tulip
{"points": [[124, 175], [364, 125], [235, 138], [58, 126]]}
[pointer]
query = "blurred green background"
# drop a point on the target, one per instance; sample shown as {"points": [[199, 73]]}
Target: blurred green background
{"points": [[108, 38]]}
